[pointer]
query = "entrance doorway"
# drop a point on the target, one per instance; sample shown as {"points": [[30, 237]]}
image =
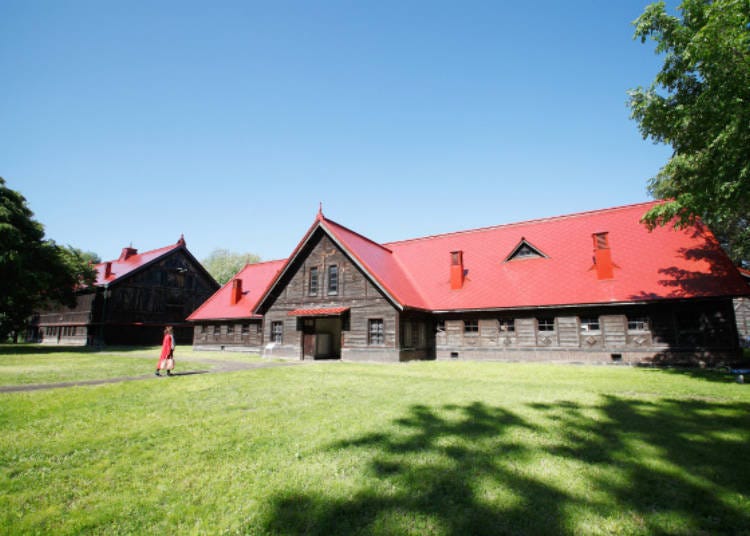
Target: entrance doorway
{"points": [[321, 337]]}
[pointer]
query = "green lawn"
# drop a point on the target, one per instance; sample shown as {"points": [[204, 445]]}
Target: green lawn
{"points": [[337, 448], [35, 364]]}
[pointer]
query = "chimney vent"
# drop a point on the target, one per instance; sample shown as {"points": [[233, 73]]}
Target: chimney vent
{"points": [[127, 253], [457, 270], [236, 291], [603, 257], [107, 269]]}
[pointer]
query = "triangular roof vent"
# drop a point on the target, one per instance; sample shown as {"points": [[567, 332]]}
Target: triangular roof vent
{"points": [[524, 250]]}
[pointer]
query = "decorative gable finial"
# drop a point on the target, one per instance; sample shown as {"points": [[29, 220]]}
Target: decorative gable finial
{"points": [[181, 241], [320, 211]]}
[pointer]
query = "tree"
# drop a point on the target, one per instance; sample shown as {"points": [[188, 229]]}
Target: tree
{"points": [[223, 264], [34, 272], [699, 103]]}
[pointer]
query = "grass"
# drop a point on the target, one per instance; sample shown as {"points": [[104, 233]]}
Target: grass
{"points": [[422, 448], [36, 364]]}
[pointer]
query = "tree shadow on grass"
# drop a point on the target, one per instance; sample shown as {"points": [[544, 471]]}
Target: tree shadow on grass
{"points": [[458, 470], [721, 374], [679, 459], [429, 471]]}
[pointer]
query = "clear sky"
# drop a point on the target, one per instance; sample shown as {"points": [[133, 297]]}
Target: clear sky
{"points": [[134, 122]]}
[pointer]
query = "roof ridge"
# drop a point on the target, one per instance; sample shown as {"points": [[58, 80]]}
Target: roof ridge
{"points": [[140, 254], [524, 222], [363, 237], [261, 262]]}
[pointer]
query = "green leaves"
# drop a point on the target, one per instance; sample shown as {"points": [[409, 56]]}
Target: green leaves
{"points": [[33, 271], [223, 264], [699, 103]]}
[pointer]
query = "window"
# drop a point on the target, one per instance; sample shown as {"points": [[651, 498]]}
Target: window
{"points": [[546, 324], [375, 331], [524, 250], [507, 325], [230, 329], [313, 283], [245, 329], [277, 332], [471, 326], [637, 323], [440, 327], [201, 329], [589, 323], [333, 279]]}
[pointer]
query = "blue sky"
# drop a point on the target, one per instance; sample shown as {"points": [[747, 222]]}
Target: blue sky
{"points": [[134, 122]]}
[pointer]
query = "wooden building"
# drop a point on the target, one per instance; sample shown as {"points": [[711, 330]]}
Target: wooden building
{"points": [[226, 320], [133, 299], [588, 287], [742, 313]]}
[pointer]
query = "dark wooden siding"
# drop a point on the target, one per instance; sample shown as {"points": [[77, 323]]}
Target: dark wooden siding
{"points": [[615, 330], [568, 331], [135, 309], [669, 331], [355, 291], [229, 334], [742, 314], [526, 332]]}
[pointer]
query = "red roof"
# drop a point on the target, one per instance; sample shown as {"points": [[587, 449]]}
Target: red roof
{"points": [[255, 278], [381, 263], [129, 261], [330, 311], [648, 265]]}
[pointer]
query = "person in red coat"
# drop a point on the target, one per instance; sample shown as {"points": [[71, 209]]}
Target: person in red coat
{"points": [[167, 351]]}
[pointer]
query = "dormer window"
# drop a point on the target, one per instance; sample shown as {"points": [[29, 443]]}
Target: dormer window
{"points": [[524, 250]]}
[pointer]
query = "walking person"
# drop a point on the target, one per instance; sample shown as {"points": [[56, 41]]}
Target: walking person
{"points": [[166, 358]]}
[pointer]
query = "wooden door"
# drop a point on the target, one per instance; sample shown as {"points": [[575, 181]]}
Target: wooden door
{"points": [[308, 346]]}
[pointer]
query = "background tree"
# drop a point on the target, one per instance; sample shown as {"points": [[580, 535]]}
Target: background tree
{"points": [[699, 103], [34, 272], [223, 264]]}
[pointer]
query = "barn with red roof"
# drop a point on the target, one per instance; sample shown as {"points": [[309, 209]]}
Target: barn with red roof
{"points": [[134, 297], [596, 286], [226, 320]]}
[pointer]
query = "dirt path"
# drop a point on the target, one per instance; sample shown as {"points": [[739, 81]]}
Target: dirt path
{"points": [[219, 366]]}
